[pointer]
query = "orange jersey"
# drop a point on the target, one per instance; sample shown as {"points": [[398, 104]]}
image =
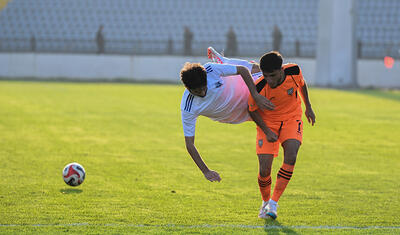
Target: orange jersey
{"points": [[285, 97]]}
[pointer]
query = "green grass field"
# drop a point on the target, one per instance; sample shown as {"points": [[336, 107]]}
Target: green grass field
{"points": [[140, 179]]}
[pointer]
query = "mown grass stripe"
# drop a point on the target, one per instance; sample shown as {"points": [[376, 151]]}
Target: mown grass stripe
{"points": [[206, 226]]}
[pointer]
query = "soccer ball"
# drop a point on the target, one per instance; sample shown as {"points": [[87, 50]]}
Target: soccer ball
{"points": [[74, 174]]}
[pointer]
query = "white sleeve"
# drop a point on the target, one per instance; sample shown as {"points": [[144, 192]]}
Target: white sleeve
{"points": [[188, 123], [221, 70]]}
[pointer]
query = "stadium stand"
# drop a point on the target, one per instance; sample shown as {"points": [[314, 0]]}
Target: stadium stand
{"points": [[3, 3], [145, 26]]}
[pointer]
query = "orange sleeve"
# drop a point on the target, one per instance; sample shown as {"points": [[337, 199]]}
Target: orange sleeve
{"points": [[300, 81], [294, 70], [299, 78], [252, 104]]}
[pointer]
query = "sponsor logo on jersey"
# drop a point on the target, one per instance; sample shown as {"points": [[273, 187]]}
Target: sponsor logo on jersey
{"points": [[290, 91]]}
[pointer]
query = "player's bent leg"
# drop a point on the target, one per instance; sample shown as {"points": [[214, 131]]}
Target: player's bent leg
{"points": [[264, 181], [216, 57], [290, 147], [266, 151]]}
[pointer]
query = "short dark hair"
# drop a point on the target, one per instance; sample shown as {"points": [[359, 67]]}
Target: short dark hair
{"points": [[271, 61], [193, 75]]}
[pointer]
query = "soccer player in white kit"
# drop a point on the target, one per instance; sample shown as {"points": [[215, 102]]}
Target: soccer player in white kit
{"points": [[212, 91]]}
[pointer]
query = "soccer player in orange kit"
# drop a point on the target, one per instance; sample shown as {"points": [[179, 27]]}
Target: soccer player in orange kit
{"points": [[282, 85]]}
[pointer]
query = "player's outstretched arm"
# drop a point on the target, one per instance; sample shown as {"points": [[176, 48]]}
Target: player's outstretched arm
{"points": [[309, 111], [191, 148], [271, 136], [261, 101]]}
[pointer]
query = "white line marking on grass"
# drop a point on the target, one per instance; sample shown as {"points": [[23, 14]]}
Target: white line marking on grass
{"points": [[202, 226]]}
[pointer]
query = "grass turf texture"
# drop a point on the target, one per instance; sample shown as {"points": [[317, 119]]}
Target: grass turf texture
{"points": [[129, 139]]}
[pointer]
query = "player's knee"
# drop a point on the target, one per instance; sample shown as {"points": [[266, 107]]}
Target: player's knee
{"points": [[291, 147], [290, 160], [290, 157], [265, 171]]}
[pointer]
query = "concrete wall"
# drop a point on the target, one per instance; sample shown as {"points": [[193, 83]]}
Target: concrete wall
{"points": [[90, 67], [336, 45], [371, 73]]}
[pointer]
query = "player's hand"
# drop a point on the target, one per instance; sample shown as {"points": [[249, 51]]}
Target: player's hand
{"points": [[271, 136], [263, 103], [212, 176], [310, 115]]}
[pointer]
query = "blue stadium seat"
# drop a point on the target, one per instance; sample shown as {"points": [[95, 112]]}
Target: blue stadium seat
{"points": [[209, 20]]}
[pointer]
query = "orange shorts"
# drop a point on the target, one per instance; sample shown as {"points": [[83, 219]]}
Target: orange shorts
{"points": [[292, 129]]}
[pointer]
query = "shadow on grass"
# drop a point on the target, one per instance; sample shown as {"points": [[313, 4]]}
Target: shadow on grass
{"points": [[274, 227], [70, 191]]}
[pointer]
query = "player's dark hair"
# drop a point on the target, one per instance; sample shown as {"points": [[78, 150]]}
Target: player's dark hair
{"points": [[193, 75], [271, 61]]}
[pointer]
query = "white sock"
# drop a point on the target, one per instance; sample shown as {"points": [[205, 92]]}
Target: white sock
{"points": [[244, 63], [272, 202]]}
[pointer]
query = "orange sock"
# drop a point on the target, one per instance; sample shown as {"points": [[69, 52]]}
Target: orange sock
{"points": [[265, 187], [284, 175]]}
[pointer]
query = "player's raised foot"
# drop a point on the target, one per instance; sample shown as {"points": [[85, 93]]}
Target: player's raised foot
{"points": [[263, 211], [271, 209], [214, 56]]}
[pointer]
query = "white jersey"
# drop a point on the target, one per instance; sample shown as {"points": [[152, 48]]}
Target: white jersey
{"points": [[225, 101]]}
